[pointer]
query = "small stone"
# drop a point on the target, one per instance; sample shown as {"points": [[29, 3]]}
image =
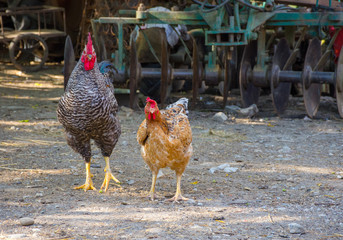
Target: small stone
{"points": [[26, 221], [220, 117], [250, 111], [16, 236], [296, 228], [40, 194], [232, 109], [130, 182], [218, 218], [339, 177], [160, 174], [154, 230], [285, 149]]}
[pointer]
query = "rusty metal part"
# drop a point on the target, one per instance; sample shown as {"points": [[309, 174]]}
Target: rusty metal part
{"points": [[134, 73], [165, 70], [249, 92], [311, 90], [339, 84], [306, 3], [196, 81], [280, 90], [230, 68]]}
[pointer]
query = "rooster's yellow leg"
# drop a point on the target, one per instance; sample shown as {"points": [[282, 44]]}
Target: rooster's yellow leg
{"points": [[108, 175], [89, 183], [178, 196], [152, 189]]}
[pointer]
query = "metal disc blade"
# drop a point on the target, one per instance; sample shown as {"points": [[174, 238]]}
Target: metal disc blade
{"points": [[249, 93], [280, 92], [311, 91], [339, 84], [230, 68]]}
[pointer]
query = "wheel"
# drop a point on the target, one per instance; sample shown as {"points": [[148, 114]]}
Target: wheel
{"points": [[311, 91], [249, 93], [28, 52], [280, 90]]}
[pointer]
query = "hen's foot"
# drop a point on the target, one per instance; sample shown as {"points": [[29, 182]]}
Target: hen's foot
{"points": [[152, 196], [108, 177], [177, 198]]}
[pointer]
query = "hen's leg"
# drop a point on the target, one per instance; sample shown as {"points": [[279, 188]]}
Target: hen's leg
{"points": [[108, 175], [178, 196], [89, 183], [152, 189]]}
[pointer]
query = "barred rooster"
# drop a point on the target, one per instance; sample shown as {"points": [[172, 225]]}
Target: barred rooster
{"points": [[166, 141], [88, 110]]}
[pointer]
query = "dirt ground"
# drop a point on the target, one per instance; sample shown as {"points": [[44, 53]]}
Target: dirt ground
{"points": [[289, 170]]}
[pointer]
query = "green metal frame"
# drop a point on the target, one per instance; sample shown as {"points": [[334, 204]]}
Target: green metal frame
{"points": [[221, 30]]}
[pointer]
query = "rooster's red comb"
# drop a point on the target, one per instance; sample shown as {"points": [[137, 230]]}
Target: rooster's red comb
{"points": [[89, 44]]}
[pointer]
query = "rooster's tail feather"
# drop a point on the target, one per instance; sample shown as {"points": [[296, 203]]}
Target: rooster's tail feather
{"points": [[69, 60]]}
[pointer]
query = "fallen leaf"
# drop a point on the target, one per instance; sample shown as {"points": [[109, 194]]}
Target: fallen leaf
{"points": [[270, 125], [24, 120], [221, 221], [195, 183]]}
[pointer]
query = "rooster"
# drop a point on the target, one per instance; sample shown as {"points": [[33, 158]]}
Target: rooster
{"points": [[166, 141], [88, 110]]}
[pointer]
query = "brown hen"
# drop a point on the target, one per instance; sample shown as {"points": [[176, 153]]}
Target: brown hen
{"points": [[166, 141]]}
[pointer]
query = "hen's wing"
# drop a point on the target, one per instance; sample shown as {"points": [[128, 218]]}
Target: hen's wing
{"points": [[178, 125], [142, 134]]}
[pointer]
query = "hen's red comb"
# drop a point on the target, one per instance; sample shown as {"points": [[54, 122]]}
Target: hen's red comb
{"points": [[89, 44], [153, 103], [149, 100]]}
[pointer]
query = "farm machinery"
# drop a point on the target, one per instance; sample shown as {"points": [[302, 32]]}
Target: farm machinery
{"points": [[271, 44]]}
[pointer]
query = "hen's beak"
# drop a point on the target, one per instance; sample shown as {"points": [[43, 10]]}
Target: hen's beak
{"points": [[152, 110]]}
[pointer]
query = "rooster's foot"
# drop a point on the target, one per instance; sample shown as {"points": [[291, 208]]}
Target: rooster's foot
{"points": [[87, 186], [108, 177]]}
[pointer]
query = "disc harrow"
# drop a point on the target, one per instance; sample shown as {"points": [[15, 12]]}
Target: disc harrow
{"points": [[274, 35]]}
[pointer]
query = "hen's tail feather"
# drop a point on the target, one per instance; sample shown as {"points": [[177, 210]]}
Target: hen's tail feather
{"points": [[181, 101], [69, 60]]}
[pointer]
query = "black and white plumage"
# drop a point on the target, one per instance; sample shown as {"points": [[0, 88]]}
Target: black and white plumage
{"points": [[88, 110]]}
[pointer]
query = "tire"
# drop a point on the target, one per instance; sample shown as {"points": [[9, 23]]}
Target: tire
{"points": [[28, 52]]}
